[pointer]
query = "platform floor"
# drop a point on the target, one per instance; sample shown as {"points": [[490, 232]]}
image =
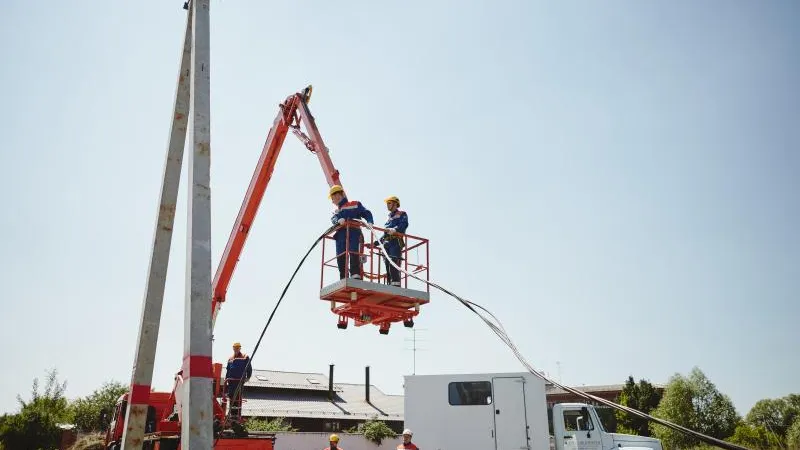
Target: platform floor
{"points": [[375, 293]]}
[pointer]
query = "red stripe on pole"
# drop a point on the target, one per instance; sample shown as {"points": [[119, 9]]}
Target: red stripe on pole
{"points": [[197, 367], [140, 394]]}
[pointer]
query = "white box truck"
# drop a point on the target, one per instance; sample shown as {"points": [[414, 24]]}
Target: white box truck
{"points": [[505, 411]]}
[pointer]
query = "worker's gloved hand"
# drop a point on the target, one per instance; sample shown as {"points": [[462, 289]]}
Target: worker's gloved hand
{"points": [[340, 221], [390, 230]]}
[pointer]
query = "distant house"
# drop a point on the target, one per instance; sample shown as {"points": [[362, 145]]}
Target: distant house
{"points": [[312, 403], [605, 391]]}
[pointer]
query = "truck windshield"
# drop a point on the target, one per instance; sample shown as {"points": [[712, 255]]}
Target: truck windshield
{"points": [[578, 420], [120, 412]]}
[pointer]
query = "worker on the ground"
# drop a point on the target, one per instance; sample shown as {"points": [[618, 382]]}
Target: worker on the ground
{"points": [[237, 372], [395, 226], [349, 239], [407, 444], [334, 443]]}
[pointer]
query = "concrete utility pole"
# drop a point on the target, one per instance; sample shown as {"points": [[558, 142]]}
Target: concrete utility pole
{"points": [[192, 96]]}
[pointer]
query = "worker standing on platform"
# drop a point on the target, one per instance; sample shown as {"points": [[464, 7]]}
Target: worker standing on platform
{"points": [[237, 372], [349, 239], [334, 443], [396, 224], [407, 444]]}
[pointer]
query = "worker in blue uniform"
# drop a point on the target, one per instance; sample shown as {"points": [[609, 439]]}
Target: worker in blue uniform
{"points": [[237, 372], [349, 239], [395, 226]]}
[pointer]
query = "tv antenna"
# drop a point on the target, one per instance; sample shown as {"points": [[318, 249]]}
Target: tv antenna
{"points": [[414, 348]]}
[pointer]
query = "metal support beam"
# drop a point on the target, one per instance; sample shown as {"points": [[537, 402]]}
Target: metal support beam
{"points": [[331, 174], [197, 412], [144, 359]]}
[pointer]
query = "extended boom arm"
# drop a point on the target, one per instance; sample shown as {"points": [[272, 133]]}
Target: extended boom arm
{"points": [[293, 111]]}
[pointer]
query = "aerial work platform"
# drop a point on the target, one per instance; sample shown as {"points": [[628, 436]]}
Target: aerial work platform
{"points": [[370, 299]]}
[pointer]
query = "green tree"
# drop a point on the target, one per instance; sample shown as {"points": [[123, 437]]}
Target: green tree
{"points": [[694, 402], [793, 435], [776, 415], [769, 414], [755, 437], [642, 397], [93, 412], [36, 425], [373, 430]]}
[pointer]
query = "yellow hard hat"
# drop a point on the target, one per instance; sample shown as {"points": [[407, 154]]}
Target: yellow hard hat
{"points": [[334, 189], [236, 344], [392, 199], [333, 438]]}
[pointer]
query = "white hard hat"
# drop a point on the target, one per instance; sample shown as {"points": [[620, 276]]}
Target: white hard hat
{"points": [[407, 432]]}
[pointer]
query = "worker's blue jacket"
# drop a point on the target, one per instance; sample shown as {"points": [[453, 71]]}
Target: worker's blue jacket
{"points": [[236, 371], [398, 220], [350, 211]]}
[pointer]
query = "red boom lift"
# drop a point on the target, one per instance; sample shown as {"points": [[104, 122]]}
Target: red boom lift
{"points": [[365, 301]]}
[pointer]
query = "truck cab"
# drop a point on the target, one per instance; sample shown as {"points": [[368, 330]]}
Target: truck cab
{"points": [[503, 411], [577, 426], [159, 406]]}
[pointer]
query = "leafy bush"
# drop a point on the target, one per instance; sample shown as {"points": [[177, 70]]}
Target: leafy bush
{"points": [[94, 412], [793, 435], [755, 437], [273, 425], [374, 430], [35, 426]]}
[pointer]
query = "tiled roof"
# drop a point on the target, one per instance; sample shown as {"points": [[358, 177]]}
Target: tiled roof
{"points": [[348, 401]]}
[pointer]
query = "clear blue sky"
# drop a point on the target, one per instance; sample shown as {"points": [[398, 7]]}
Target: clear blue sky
{"points": [[618, 183]]}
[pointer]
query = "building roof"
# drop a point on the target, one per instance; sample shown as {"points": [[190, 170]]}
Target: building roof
{"points": [[290, 380], [349, 400], [550, 389], [553, 390]]}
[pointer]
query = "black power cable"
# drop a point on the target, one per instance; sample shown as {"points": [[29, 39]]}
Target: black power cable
{"points": [[497, 327], [240, 384]]}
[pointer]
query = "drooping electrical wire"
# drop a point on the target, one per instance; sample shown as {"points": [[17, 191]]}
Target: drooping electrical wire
{"points": [[497, 327]]}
